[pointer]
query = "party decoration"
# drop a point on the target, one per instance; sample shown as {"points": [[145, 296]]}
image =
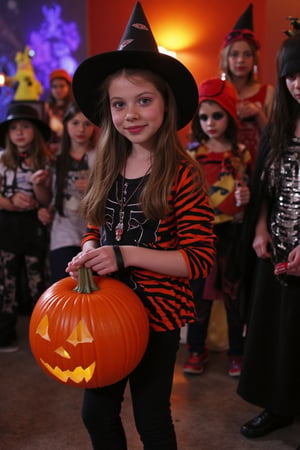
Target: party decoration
{"points": [[28, 87], [91, 334]]}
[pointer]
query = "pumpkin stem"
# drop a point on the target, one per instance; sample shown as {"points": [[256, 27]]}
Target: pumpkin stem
{"points": [[86, 283]]}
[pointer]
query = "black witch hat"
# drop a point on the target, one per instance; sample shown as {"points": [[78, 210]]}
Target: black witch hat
{"points": [[22, 111], [137, 49], [243, 30], [245, 21]]}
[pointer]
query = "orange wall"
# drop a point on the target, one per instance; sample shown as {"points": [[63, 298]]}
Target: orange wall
{"points": [[196, 28], [199, 27], [275, 24]]}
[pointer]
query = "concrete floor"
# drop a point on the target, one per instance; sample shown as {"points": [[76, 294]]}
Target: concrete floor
{"points": [[38, 413]]}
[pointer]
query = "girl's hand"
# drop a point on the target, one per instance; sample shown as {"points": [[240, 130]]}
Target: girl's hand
{"points": [[247, 109], [293, 266], [261, 244], [45, 215], [23, 201], [242, 195], [81, 184], [101, 260], [40, 177]]}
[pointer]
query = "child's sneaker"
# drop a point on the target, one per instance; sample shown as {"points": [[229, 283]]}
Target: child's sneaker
{"points": [[235, 366], [195, 363]]}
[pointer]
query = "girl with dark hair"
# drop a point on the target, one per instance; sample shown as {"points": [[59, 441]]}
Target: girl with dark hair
{"points": [[271, 365], [226, 167], [70, 178]]}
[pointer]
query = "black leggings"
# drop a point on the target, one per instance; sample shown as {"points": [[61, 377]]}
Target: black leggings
{"points": [[150, 386]]}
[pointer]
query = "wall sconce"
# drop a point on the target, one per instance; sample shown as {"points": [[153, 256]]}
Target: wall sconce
{"points": [[166, 51], [2, 79]]}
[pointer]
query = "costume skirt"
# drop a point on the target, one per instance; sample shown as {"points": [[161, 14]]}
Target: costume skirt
{"points": [[270, 375]]}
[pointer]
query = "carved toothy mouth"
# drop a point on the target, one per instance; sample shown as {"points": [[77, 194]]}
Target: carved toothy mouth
{"points": [[77, 375]]}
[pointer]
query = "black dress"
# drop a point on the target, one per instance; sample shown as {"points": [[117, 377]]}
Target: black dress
{"points": [[270, 375]]}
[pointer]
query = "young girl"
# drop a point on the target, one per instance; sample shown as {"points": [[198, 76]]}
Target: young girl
{"points": [[70, 180], [239, 65], [271, 366], [226, 165], [151, 225], [25, 185], [59, 98]]}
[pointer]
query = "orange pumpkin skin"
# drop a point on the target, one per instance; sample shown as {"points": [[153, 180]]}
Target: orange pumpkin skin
{"points": [[88, 340]]}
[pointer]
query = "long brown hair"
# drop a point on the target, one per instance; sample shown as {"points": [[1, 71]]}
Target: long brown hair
{"points": [[39, 151], [62, 161], [113, 150]]}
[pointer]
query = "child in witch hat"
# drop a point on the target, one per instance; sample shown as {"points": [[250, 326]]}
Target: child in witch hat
{"points": [[239, 64], [151, 225], [25, 185]]}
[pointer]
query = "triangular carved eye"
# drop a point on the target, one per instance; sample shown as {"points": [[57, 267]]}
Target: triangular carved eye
{"points": [[80, 334], [43, 327], [63, 352]]}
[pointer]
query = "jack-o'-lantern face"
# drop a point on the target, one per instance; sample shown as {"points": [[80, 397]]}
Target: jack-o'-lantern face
{"points": [[88, 339], [79, 335]]}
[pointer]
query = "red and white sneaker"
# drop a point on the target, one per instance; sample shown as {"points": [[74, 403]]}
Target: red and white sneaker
{"points": [[195, 363], [235, 366]]}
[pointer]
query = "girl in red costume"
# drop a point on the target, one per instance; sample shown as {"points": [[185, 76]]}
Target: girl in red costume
{"points": [[239, 65]]}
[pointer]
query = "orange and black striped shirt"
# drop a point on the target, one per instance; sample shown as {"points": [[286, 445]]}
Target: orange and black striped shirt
{"points": [[187, 228]]}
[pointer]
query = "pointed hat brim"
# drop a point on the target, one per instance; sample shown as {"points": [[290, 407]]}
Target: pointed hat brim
{"points": [[137, 50]]}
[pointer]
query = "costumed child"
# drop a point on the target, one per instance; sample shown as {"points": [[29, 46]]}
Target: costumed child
{"points": [[270, 375], [71, 172], [239, 62], [25, 184], [151, 225], [226, 167], [60, 96]]}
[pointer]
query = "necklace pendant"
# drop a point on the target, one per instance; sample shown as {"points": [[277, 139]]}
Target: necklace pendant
{"points": [[119, 231]]}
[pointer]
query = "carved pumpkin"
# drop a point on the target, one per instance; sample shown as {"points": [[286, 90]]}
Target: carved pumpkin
{"points": [[88, 339]]}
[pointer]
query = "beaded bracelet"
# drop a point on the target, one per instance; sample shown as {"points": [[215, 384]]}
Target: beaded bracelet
{"points": [[119, 258]]}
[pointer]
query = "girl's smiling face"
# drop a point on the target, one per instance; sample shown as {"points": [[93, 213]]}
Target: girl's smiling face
{"points": [[293, 84], [137, 108], [213, 119], [21, 133]]}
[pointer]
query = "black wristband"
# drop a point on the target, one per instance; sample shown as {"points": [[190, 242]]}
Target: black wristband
{"points": [[119, 258]]}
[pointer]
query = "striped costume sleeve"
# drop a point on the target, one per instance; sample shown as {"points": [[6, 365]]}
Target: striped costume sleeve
{"points": [[92, 233], [192, 222]]}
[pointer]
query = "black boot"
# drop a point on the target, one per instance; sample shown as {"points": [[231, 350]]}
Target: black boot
{"points": [[265, 423]]}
